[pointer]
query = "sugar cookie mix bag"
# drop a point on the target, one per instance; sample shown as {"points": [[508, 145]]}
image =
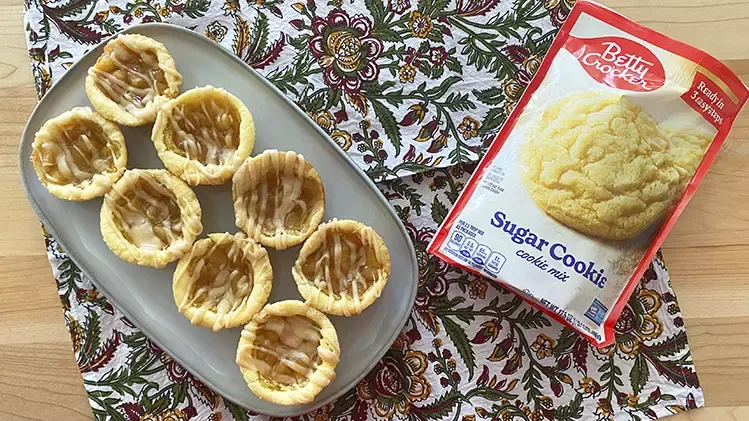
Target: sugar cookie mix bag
{"points": [[592, 168]]}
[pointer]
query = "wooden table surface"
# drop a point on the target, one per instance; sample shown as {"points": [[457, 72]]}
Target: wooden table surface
{"points": [[707, 253]]}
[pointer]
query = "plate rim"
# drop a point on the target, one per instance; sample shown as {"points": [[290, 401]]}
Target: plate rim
{"points": [[289, 412]]}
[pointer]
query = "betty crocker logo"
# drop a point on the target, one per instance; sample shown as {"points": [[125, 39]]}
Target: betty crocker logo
{"points": [[618, 62]]}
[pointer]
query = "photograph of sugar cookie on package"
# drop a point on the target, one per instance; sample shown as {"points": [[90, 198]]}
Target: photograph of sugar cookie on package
{"points": [[599, 163], [591, 169]]}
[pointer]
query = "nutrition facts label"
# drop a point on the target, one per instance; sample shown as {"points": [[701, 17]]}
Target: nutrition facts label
{"points": [[478, 255]]}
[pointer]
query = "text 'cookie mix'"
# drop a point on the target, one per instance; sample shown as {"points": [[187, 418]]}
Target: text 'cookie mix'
{"points": [[593, 166]]}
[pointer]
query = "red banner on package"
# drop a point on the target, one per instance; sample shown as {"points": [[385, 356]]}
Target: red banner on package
{"points": [[708, 99]]}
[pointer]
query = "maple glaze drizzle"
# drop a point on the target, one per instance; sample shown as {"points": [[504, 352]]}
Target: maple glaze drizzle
{"points": [[227, 281], [147, 212], [284, 349], [276, 182], [345, 265], [134, 76], [75, 151], [207, 131]]}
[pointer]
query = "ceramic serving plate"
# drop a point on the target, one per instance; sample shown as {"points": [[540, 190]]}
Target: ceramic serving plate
{"points": [[145, 295]]}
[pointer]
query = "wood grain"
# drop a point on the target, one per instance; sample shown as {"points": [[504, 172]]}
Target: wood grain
{"points": [[40, 381], [706, 253]]}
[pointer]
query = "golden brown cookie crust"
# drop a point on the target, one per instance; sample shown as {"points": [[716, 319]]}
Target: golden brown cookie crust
{"points": [[199, 157], [348, 248], [79, 154], [140, 240], [688, 147], [600, 164], [279, 198], [321, 370], [238, 283], [105, 79]]}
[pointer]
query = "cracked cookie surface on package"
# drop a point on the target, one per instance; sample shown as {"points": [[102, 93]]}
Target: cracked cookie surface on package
{"points": [[599, 164]]}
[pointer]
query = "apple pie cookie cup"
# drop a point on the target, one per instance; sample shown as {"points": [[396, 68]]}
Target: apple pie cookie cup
{"points": [[79, 154], [288, 353], [150, 218], [132, 79], [342, 268], [224, 281], [204, 135], [279, 199]]}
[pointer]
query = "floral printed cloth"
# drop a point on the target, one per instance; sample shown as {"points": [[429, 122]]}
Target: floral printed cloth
{"points": [[413, 92]]}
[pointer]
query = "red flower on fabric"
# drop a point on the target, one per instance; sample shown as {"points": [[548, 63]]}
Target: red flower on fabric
{"points": [[176, 372], [516, 53], [559, 10], [153, 348], [389, 381], [413, 56], [396, 382], [399, 6], [438, 55], [345, 49]]}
